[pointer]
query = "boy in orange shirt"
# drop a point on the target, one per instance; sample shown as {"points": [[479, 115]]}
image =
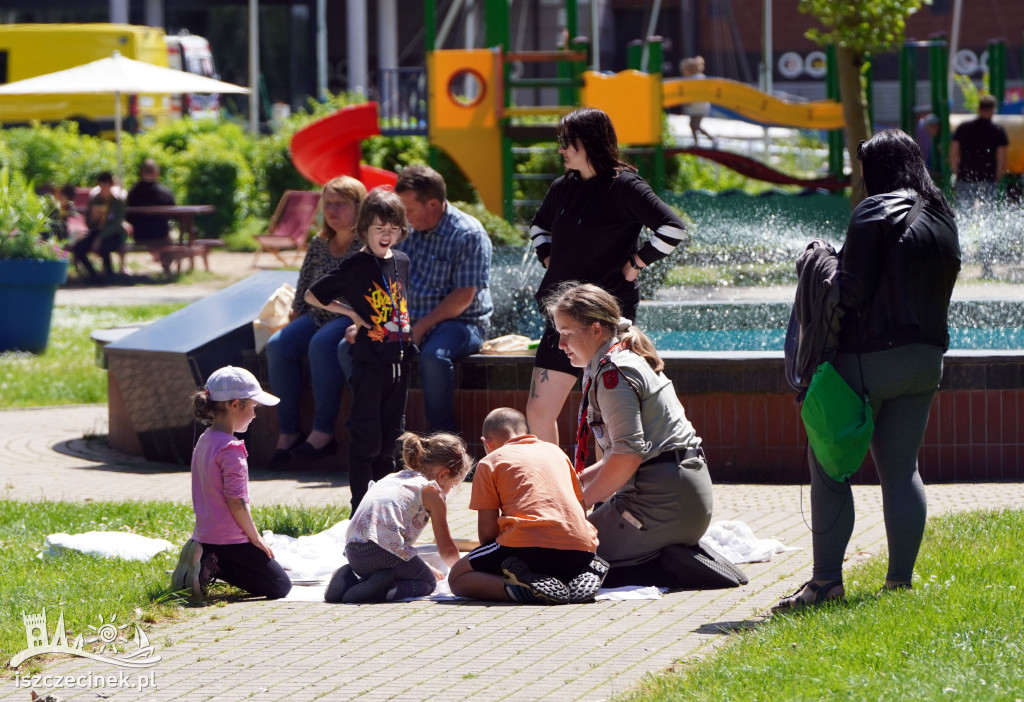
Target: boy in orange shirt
{"points": [[537, 545]]}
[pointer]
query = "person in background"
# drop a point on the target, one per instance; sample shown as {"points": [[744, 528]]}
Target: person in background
{"points": [[225, 542], [105, 219], [927, 139], [316, 335], [449, 294], [148, 191], [896, 277], [977, 155], [587, 229], [693, 69]]}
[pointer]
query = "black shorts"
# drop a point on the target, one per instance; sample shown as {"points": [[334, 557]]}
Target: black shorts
{"points": [[550, 357], [564, 565]]}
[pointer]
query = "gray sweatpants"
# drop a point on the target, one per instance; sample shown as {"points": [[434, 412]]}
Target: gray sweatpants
{"points": [[671, 501], [901, 383]]}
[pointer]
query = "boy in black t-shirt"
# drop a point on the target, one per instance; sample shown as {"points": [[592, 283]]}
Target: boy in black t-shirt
{"points": [[370, 288]]}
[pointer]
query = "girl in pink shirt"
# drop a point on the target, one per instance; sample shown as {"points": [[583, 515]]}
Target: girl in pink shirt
{"points": [[225, 542]]}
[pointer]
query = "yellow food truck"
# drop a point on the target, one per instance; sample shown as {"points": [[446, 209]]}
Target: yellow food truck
{"points": [[29, 50]]}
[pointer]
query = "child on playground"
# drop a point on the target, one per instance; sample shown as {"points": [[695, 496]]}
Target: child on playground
{"points": [[536, 543], [369, 288], [693, 68], [382, 561], [225, 542]]}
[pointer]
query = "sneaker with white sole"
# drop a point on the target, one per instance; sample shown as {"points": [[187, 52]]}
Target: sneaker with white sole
{"points": [[187, 574], [585, 586], [527, 587]]}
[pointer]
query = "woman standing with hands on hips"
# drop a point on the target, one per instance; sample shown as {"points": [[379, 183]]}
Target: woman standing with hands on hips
{"points": [[652, 482], [588, 229], [315, 334]]}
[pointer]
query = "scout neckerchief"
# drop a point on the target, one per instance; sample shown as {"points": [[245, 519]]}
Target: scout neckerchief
{"points": [[583, 433]]}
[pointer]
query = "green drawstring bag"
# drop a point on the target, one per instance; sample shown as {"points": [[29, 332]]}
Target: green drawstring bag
{"points": [[838, 421]]}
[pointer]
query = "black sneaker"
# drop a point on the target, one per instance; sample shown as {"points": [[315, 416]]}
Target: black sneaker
{"points": [[700, 567], [187, 573], [372, 589], [532, 588], [343, 578], [584, 586]]}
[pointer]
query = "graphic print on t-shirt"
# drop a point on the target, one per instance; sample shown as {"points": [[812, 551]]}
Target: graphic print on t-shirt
{"points": [[388, 321]]}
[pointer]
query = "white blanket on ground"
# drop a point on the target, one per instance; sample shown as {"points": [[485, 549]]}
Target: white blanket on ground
{"points": [[107, 544], [311, 560], [736, 541]]}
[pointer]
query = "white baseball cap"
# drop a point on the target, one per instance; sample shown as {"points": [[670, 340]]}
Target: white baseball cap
{"points": [[231, 383]]}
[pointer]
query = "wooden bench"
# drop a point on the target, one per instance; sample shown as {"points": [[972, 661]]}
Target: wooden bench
{"points": [[172, 255]]}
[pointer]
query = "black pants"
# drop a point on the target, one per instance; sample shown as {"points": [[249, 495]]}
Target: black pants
{"points": [[107, 246], [249, 568], [379, 393]]}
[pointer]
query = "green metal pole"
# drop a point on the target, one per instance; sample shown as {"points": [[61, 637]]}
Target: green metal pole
{"points": [[938, 58], [997, 71], [634, 54], [429, 24], [576, 69], [835, 136], [572, 15], [869, 90], [429, 44], [654, 55], [498, 35], [908, 88]]}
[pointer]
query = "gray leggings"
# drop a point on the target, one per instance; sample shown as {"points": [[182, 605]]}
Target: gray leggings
{"points": [[902, 383], [413, 578]]}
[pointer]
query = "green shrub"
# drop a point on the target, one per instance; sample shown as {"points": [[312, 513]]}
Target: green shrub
{"points": [[502, 232], [24, 216], [274, 173], [210, 174], [60, 154]]}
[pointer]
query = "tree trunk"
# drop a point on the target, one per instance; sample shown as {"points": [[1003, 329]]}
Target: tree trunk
{"points": [[855, 112]]}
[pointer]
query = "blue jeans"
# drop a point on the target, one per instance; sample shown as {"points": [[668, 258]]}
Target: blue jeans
{"points": [[446, 343], [287, 349]]}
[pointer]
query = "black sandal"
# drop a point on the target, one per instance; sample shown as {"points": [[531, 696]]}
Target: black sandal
{"points": [[820, 592]]}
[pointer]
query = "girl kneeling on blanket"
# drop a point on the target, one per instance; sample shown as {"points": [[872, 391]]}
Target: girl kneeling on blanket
{"points": [[382, 561]]}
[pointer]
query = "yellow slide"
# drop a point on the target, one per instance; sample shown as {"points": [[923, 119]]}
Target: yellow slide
{"points": [[753, 104]]}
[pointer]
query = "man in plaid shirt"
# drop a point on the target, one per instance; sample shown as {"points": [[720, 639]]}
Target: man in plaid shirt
{"points": [[449, 298]]}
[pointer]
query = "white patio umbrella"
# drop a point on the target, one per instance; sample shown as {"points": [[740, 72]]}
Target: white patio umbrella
{"points": [[117, 75]]}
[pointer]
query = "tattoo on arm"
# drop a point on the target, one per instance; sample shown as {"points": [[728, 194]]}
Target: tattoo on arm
{"points": [[540, 375]]}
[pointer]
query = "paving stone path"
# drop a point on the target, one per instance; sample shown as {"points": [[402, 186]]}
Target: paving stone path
{"points": [[422, 650]]}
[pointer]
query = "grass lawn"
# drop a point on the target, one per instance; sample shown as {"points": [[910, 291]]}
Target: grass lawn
{"points": [[958, 636], [67, 374], [92, 590]]}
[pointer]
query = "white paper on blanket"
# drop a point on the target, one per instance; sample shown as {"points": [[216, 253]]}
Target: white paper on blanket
{"points": [[629, 592], [107, 544], [736, 541]]}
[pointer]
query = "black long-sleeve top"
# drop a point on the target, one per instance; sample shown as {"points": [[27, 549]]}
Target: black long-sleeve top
{"points": [[896, 284], [591, 227]]}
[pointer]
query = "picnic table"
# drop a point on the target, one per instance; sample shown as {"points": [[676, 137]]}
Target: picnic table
{"points": [[187, 247]]}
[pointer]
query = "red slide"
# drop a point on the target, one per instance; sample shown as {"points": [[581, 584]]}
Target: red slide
{"points": [[329, 147], [755, 169]]}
